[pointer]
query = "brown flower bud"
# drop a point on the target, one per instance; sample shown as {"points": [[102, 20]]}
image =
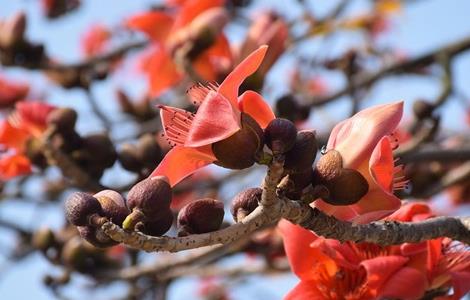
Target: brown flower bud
{"points": [[63, 119], [128, 157], [345, 186], [299, 180], [302, 155], [96, 237], [280, 135], [239, 151], [80, 206], [245, 202], [100, 150], [113, 206], [201, 216], [159, 226], [43, 239], [148, 200], [149, 152]]}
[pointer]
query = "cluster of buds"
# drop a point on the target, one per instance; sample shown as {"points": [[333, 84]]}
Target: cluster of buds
{"points": [[141, 157], [94, 153], [15, 48]]}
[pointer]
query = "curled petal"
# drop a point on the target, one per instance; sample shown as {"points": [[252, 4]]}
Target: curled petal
{"points": [[305, 290], [231, 84], [407, 284], [252, 103], [181, 162], [356, 137], [155, 24], [214, 121]]}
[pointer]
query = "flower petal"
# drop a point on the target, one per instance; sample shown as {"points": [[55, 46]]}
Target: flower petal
{"points": [[191, 9], [305, 290], [162, 72], [407, 284], [14, 165], [181, 162], [460, 284], [381, 165], [32, 116], [379, 269], [407, 211], [231, 84], [214, 121], [356, 138], [13, 137], [297, 242], [155, 24], [252, 103]]}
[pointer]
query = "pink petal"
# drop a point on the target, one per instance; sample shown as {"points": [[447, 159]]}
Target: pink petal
{"points": [[252, 103], [409, 210], [215, 120], [379, 269], [297, 242], [381, 165], [181, 162], [407, 284], [356, 137], [231, 84], [305, 290]]}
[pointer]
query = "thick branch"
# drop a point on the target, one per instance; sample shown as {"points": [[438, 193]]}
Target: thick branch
{"points": [[382, 232]]}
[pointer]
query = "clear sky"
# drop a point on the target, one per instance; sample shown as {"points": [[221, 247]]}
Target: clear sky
{"points": [[423, 26]]}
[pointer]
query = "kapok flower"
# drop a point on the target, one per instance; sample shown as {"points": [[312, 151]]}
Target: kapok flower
{"points": [[331, 270], [222, 120], [199, 22], [11, 92], [26, 122], [365, 143]]}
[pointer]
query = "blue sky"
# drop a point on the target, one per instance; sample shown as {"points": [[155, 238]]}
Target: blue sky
{"points": [[421, 27]]}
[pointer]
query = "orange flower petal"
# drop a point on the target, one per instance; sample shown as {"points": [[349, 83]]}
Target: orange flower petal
{"points": [[407, 284], [301, 256], [155, 24], [163, 73], [215, 120], [191, 9], [33, 116], [252, 103], [181, 162], [407, 211], [14, 165], [215, 60], [305, 290], [375, 205], [13, 137], [379, 269], [381, 165], [229, 87], [356, 137]]}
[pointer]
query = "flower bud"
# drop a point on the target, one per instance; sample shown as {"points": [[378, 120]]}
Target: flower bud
{"points": [[100, 150], [43, 238], [345, 186], [245, 202], [200, 216], [148, 200], [80, 206], [12, 30], [128, 157], [303, 154], [239, 151], [113, 206], [159, 226], [149, 152], [422, 109], [280, 135], [300, 181], [96, 237], [63, 119]]}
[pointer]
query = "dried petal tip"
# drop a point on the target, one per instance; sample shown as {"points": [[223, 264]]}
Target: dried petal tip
{"points": [[239, 151], [201, 216], [79, 207], [280, 135], [245, 202]]}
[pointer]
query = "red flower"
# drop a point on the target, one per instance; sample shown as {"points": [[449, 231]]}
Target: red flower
{"points": [[218, 117], [26, 122], [11, 92], [365, 144], [169, 32], [94, 41]]}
